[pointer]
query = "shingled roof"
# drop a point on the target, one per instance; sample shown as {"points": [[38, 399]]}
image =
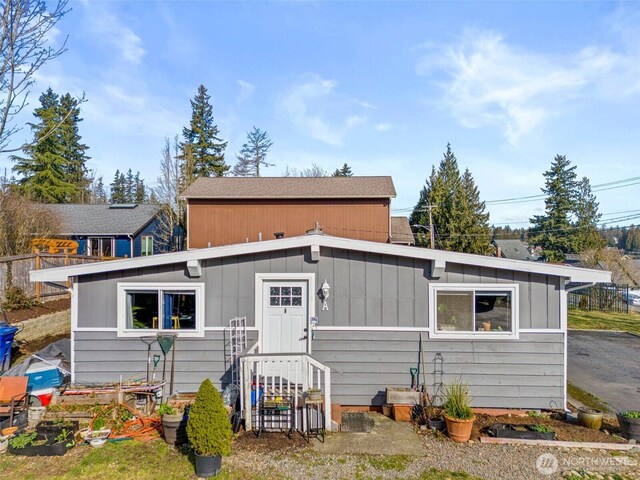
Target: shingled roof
{"points": [[401, 231], [291, 187], [83, 219]]}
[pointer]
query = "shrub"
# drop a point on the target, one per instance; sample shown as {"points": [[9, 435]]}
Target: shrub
{"points": [[458, 403], [16, 299], [208, 427]]}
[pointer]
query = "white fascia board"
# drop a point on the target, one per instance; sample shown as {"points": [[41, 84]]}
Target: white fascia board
{"points": [[574, 274]]}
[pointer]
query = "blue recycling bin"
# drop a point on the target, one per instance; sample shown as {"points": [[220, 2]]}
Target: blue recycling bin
{"points": [[7, 332]]}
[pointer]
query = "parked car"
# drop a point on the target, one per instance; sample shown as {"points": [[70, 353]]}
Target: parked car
{"points": [[632, 297]]}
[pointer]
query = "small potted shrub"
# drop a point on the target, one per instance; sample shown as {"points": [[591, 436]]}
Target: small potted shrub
{"points": [[174, 423], [458, 414], [630, 424], [209, 430]]}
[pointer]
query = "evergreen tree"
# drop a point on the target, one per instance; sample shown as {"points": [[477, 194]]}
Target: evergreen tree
{"points": [[553, 231], [471, 233], [201, 141], [458, 213], [586, 234], [118, 193], [129, 187], [73, 151], [345, 171], [98, 193], [45, 169], [140, 191], [253, 154]]}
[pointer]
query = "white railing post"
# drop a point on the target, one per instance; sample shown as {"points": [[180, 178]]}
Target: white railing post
{"points": [[327, 399]]}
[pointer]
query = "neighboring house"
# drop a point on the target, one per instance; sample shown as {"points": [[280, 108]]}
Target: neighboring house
{"points": [[401, 233], [499, 325], [116, 230], [228, 210], [514, 249]]}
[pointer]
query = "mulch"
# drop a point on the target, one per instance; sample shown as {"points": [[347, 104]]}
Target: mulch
{"points": [[17, 316], [274, 442], [564, 430]]}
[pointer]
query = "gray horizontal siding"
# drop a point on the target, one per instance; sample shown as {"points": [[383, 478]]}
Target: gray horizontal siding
{"points": [[525, 373], [102, 357], [366, 289]]}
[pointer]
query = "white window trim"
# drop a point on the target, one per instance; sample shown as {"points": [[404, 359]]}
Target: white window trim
{"points": [[142, 242], [466, 287], [113, 246], [123, 331], [310, 278]]}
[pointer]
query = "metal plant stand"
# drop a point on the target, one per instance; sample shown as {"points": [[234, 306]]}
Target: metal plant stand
{"points": [[313, 410], [275, 413]]}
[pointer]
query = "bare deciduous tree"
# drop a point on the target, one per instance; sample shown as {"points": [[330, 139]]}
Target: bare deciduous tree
{"points": [[24, 48], [314, 170], [167, 192], [22, 220]]}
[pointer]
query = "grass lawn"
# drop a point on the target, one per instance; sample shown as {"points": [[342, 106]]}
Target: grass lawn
{"points": [[586, 398], [156, 460], [585, 320]]}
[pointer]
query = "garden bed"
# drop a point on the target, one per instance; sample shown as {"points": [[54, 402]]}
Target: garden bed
{"points": [[564, 430]]}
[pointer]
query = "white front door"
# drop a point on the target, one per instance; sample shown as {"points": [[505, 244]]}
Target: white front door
{"points": [[285, 316]]}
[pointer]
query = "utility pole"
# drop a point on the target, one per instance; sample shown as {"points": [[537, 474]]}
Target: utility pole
{"points": [[431, 207]]}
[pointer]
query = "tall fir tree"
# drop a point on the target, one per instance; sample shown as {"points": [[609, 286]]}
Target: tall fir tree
{"points": [[253, 154], [202, 148], [345, 171], [140, 194], [73, 151], [459, 216], [118, 193], [554, 231], [586, 234], [98, 193], [44, 169]]}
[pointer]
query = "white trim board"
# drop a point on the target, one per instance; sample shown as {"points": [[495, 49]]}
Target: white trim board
{"points": [[575, 274], [74, 328]]}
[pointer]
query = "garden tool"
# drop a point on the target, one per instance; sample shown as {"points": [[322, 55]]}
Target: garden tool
{"points": [[148, 341]]}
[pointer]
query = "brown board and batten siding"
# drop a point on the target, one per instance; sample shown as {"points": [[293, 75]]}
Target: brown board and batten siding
{"points": [[369, 291], [214, 222]]}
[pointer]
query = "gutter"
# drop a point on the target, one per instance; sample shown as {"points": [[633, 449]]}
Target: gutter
{"points": [[580, 287]]}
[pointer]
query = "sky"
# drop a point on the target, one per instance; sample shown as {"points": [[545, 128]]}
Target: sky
{"points": [[381, 86]]}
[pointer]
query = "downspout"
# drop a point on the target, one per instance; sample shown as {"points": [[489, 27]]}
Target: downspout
{"points": [[131, 244]]}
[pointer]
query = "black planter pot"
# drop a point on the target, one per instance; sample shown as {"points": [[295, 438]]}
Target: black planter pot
{"points": [[49, 449], [207, 466], [526, 432], [629, 427], [436, 424]]}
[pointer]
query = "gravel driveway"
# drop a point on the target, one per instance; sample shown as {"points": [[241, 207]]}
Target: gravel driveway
{"points": [[490, 462], [606, 364]]}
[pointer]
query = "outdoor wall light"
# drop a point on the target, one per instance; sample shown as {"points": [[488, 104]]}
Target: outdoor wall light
{"points": [[326, 291]]}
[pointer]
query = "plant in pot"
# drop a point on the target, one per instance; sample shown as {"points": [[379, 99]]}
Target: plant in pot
{"points": [[630, 424], [209, 430], [174, 423], [458, 414], [314, 395]]}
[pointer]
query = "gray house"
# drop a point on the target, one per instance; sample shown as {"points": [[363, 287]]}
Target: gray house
{"points": [[343, 315]]}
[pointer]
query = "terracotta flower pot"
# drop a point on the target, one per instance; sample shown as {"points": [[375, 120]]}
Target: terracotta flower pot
{"points": [[459, 430]]}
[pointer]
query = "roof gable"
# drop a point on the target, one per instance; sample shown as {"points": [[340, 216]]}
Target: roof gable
{"points": [[290, 187], [440, 257]]}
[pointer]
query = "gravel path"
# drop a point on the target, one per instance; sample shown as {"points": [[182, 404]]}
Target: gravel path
{"points": [[490, 462]]}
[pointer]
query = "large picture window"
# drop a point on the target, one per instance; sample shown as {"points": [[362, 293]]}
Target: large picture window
{"points": [[151, 308], [477, 311]]}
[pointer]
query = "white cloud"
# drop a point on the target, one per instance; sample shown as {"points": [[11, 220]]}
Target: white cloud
{"points": [[307, 103], [487, 82], [246, 90], [383, 127], [113, 31]]}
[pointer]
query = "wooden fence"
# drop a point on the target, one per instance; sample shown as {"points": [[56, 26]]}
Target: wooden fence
{"points": [[16, 270]]}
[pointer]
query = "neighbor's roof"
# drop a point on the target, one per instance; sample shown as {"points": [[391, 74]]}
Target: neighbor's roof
{"points": [[439, 257], [291, 187], [515, 249], [401, 231], [104, 219]]}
